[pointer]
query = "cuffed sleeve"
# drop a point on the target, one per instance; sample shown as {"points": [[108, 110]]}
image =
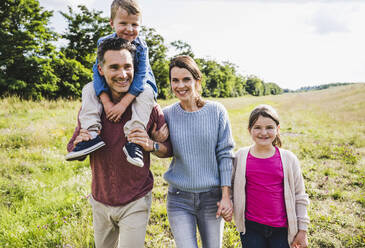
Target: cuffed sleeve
{"points": [[301, 198], [224, 149]]}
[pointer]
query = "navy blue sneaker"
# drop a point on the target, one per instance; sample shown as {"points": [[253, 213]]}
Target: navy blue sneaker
{"points": [[84, 148], [134, 153]]}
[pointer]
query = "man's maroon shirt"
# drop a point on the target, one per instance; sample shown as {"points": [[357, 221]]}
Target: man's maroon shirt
{"points": [[115, 181]]}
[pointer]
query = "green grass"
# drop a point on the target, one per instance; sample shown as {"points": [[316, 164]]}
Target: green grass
{"points": [[43, 199]]}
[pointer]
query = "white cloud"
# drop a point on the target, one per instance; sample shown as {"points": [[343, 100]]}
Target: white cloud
{"points": [[331, 19]]}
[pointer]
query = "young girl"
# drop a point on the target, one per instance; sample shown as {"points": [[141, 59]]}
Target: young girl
{"points": [[270, 203]]}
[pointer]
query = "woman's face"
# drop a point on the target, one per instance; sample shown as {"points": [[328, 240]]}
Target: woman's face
{"points": [[183, 84]]}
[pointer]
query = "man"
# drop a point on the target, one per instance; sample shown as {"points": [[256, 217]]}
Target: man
{"points": [[121, 192]]}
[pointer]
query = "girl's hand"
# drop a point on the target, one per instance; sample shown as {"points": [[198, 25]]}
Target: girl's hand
{"points": [[225, 213], [140, 137], [225, 209], [300, 240], [161, 135], [225, 205]]}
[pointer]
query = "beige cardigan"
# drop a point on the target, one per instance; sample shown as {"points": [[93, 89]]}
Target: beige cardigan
{"points": [[296, 200]]}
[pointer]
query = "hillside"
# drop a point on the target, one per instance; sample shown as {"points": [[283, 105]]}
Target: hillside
{"points": [[43, 198]]}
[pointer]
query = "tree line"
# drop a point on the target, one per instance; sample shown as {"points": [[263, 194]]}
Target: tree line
{"points": [[320, 87], [33, 64]]}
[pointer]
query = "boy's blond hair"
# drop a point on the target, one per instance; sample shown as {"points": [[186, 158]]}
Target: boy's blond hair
{"points": [[131, 6]]}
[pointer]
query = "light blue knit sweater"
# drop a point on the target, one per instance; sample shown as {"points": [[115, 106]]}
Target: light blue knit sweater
{"points": [[203, 147]]}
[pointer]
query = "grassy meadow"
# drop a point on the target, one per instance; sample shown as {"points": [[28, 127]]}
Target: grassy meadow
{"points": [[43, 198]]}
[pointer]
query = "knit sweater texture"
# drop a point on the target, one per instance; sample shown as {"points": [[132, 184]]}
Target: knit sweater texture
{"points": [[296, 200], [202, 146]]}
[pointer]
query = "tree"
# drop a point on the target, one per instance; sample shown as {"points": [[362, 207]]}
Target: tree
{"points": [[84, 29], [239, 86], [25, 43], [272, 89], [72, 76], [254, 86], [182, 48], [219, 79]]}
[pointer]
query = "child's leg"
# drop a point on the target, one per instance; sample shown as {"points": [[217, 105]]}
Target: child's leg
{"points": [[89, 118], [141, 110], [255, 236], [279, 238], [91, 109]]}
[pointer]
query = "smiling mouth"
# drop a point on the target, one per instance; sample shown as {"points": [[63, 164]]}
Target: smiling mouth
{"points": [[127, 36], [182, 92], [120, 82]]}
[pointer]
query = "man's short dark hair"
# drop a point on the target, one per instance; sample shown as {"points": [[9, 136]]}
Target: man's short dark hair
{"points": [[115, 44]]}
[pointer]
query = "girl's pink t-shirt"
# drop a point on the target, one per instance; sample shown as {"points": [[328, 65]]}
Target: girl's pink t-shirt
{"points": [[265, 190]]}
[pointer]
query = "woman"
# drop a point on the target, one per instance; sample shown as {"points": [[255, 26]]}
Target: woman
{"points": [[199, 176], [200, 172]]}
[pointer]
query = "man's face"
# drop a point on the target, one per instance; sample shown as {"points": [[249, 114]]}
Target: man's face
{"points": [[118, 70], [126, 25]]}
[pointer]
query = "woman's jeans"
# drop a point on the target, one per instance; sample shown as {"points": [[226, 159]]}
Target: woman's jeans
{"points": [[262, 236], [188, 210]]}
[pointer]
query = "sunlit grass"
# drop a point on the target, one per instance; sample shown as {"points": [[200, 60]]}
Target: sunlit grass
{"points": [[43, 198]]}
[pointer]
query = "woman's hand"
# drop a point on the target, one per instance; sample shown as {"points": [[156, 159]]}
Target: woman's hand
{"points": [[161, 135], [300, 240], [140, 137], [225, 209], [225, 206]]}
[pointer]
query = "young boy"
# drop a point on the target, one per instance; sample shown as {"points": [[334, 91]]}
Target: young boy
{"points": [[125, 20]]}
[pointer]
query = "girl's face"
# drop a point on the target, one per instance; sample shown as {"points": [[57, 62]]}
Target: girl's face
{"points": [[264, 131], [183, 84]]}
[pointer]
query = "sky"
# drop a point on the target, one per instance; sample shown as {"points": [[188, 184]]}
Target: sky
{"points": [[293, 43]]}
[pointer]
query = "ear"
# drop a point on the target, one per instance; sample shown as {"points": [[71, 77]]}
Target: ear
{"points": [[111, 23], [278, 127], [100, 69]]}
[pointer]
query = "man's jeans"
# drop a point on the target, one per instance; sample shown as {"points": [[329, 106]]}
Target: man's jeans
{"points": [[262, 236], [122, 226], [188, 210]]}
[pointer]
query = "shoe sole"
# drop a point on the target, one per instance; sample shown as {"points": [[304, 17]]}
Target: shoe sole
{"points": [[77, 155], [131, 160]]}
